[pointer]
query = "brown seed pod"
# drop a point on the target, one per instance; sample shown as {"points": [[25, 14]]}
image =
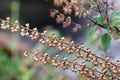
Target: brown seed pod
{"points": [[16, 27], [34, 34], [5, 24], [24, 30]]}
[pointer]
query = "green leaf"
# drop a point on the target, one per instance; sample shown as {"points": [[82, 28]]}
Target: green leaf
{"points": [[116, 31], [92, 32], [117, 21], [92, 10], [91, 1], [106, 40], [115, 15], [99, 20], [112, 23]]}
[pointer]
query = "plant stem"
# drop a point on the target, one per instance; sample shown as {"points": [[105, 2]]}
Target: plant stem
{"points": [[95, 22], [106, 12], [98, 7], [102, 26]]}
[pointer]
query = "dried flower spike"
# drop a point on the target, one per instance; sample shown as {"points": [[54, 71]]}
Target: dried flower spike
{"points": [[37, 56], [15, 27], [58, 2], [25, 30], [5, 24], [25, 53], [34, 34], [80, 54]]}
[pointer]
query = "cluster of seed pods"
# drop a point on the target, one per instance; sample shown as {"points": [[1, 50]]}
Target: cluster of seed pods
{"points": [[108, 69], [69, 7]]}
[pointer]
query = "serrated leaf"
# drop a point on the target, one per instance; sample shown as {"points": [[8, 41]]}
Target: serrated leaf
{"points": [[115, 15], [91, 32], [106, 41]]}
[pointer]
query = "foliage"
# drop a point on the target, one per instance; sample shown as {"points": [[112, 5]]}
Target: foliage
{"points": [[91, 32], [106, 39]]}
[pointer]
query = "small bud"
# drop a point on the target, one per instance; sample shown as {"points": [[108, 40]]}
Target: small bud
{"points": [[25, 53]]}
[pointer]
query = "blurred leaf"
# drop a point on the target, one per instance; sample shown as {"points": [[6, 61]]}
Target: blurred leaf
{"points": [[27, 74], [70, 57], [112, 23], [99, 20], [116, 31], [3, 59], [107, 78], [90, 64], [42, 78], [91, 1], [50, 33], [91, 32], [117, 21], [106, 40], [50, 77], [92, 10], [14, 5], [115, 15], [51, 51], [9, 66]]}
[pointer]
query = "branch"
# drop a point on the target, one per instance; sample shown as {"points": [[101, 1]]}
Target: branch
{"points": [[95, 22]]}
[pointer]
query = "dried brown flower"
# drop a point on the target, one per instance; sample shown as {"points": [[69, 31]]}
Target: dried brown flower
{"points": [[79, 51], [15, 27], [5, 24]]}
